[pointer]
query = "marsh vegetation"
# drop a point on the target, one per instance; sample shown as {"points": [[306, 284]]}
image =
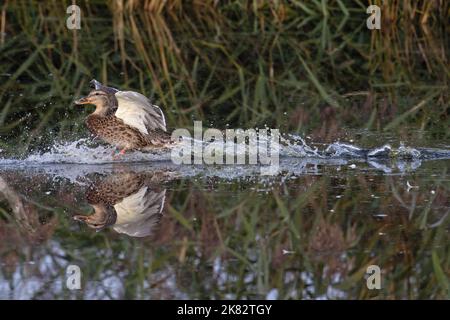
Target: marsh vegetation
{"points": [[310, 68]]}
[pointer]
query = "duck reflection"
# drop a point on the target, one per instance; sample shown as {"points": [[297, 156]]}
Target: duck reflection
{"points": [[131, 203]]}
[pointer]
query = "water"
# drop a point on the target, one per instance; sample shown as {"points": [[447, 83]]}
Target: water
{"points": [[143, 227]]}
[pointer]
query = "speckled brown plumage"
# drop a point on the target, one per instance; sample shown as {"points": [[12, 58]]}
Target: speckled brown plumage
{"points": [[114, 131], [125, 119], [105, 193], [114, 188]]}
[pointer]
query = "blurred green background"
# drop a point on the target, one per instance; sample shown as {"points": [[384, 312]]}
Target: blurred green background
{"points": [[309, 67], [306, 67]]}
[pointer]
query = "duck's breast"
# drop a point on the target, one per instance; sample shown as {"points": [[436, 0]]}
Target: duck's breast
{"points": [[114, 131]]}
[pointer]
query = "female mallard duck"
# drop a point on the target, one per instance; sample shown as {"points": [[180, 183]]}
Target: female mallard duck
{"points": [[125, 119], [131, 203]]}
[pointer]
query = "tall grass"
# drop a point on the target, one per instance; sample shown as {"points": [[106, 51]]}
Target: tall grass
{"points": [[303, 66]]}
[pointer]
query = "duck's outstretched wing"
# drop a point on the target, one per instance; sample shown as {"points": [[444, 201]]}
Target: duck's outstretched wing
{"points": [[139, 213], [98, 86], [137, 111]]}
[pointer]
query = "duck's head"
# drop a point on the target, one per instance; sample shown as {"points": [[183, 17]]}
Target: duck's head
{"points": [[103, 217], [103, 101]]}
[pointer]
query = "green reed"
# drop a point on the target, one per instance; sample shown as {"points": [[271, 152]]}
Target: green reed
{"points": [[303, 66]]}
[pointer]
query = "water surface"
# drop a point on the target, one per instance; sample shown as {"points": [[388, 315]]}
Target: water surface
{"points": [[143, 227], [151, 229]]}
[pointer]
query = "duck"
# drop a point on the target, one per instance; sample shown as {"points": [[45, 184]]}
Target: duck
{"points": [[128, 202], [125, 119]]}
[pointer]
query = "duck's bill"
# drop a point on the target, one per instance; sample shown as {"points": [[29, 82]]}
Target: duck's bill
{"points": [[80, 217], [97, 225], [84, 100]]}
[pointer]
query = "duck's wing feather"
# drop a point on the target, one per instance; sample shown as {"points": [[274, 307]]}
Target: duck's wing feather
{"points": [[139, 213], [137, 111], [99, 86]]}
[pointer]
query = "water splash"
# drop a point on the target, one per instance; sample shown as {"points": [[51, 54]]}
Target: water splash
{"points": [[383, 151], [342, 150], [296, 146], [82, 151], [296, 157]]}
